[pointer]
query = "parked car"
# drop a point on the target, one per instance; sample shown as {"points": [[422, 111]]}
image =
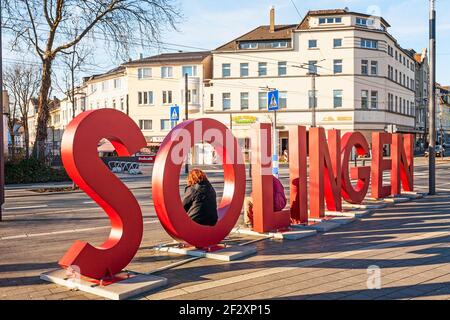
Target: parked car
{"points": [[440, 151]]}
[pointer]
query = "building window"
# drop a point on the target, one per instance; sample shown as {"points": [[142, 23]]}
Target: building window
{"points": [[282, 99], [248, 45], [167, 97], [312, 44], [262, 69], [244, 100], [226, 70], [122, 104], [117, 83], [244, 69], [337, 66], [277, 44], [337, 43], [145, 124], [226, 101], [330, 20], [312, 66], [396, 104], [166, 72], [114, 104], [364, 22], [192, 96], [166, 124], [211, 100], [364, 99], [364, 67], [282, 68], [374, 68], [144, 73], [369, 44], [312, 101], [191, 71], [374, 100], [262, 101], [145, 98], [337, 98], [396, 75], [104, 85]]}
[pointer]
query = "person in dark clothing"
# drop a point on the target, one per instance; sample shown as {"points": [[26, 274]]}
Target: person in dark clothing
{"points": [[199, 199]]}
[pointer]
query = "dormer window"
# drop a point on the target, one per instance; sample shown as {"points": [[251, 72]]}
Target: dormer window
{"points": [[364, 22], [248, 45], [330, 20], [276, 44]]}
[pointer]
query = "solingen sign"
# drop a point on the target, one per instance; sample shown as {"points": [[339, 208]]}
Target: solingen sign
{"points": [[330, 180]]}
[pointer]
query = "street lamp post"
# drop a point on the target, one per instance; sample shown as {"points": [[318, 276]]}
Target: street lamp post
{"points": [[186, 113], [2, 151], [432, 99]]}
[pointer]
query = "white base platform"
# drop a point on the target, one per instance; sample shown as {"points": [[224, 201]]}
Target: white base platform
{"points": [[121, 290], [343, 220], [397, 200], [364, 206], [352, 214], [227, 254], [323, 226], [292, 234], [413, 195]]}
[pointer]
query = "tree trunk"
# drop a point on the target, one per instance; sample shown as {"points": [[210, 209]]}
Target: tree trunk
{"points": [[43, 110], [13, 145], [26, 138]]}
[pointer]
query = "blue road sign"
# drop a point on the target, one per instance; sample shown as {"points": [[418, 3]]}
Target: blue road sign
{"points": [[273, 100], [174, 113]]}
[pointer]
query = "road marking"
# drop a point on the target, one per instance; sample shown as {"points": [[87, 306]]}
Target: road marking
{"points": [[30, 235], [303, 264], [29, 207]]}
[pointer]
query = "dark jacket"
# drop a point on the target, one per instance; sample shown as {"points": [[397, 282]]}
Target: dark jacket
{"points": [[200, 203]]}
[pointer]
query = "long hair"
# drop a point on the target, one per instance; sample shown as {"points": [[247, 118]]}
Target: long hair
{"points": [[196, 176]]}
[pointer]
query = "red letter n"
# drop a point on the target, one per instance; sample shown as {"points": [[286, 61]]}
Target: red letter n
{"points": [[325, 171]]}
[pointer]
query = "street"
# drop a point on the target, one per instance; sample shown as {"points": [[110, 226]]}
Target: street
{"points": [[38, 229]]}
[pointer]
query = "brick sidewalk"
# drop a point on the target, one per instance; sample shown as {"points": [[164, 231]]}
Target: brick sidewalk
{"points": [[409, 242]]}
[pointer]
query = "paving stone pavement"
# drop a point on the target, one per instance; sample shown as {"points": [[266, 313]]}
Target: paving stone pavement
{"points": [[410, 243]]}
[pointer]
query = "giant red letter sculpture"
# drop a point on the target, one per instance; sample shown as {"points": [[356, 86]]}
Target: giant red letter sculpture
{"points": [[264, 217], [355, 194], [80, 158], [298, 154], [402, 163], [325, 171], [379, 164], [166, 175]]}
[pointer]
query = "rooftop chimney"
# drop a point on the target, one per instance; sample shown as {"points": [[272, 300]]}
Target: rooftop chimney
{"points": [[272, 19]]}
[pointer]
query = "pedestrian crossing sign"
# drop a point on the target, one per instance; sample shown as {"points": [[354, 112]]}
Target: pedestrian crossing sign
{"points": [[174, 113], [273, 100]]}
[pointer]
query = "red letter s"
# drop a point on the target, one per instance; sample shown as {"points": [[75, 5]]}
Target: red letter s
{"points": [[80, 158]]}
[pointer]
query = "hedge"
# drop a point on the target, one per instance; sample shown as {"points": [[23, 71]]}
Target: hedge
{"points": [[32, 171]]}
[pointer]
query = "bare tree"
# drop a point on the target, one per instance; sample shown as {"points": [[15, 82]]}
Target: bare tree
{"points": [[10, 82], [52, 26], [23, 82], [74, 62]]}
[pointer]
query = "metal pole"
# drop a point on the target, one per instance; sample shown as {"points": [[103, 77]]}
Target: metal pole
{"points": [[186, 112], [2, 151], [313, 88], [275, 169], [432, 91]]}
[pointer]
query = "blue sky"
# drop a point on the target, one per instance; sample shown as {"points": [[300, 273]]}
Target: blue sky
{"points": [[211, 23], [208, 24]]}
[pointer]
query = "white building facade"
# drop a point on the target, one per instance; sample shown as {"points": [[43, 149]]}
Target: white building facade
{"points": [[365, 79]]}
